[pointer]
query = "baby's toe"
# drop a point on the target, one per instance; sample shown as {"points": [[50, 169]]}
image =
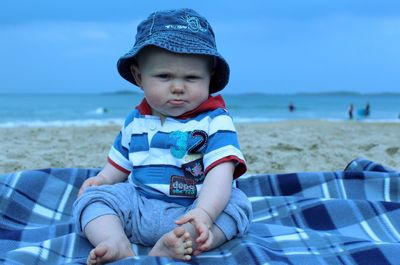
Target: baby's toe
{"points": [[188, 250], [180, 232], [188, 244]]}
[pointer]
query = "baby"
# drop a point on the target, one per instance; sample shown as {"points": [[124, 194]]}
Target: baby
{"points": [[168, 182]]}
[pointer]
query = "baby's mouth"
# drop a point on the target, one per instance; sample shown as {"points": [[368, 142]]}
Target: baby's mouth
{"points": [[176, 102]]}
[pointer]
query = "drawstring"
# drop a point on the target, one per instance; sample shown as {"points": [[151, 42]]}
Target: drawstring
{"points": [[152, 24]]}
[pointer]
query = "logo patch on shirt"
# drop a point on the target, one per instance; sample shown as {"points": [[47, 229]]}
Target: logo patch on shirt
{"points": [[197, 142], [182, 143], [182, 186], [194, 170], [179, 149]]}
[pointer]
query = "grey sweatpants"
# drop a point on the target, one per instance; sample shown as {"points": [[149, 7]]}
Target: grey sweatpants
{"points": [[147, 220]]}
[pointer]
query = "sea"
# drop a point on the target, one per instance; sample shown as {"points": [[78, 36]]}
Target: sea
{"points": [[41, 110]]}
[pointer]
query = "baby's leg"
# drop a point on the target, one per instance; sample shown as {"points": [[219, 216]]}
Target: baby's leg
{"points": [[175, 244], [218, 237], [108, 237]]}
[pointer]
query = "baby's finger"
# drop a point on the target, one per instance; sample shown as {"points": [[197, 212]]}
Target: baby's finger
{"points": [[203, 236], [183, 220], [82, 189], [80, 192], [88, 183], [205, 246]]}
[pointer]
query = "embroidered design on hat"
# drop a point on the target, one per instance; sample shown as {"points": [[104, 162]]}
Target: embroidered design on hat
{"points": [[194, 24]]}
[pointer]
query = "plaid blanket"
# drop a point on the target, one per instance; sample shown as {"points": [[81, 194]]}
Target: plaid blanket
{"points": [[341, 217]]}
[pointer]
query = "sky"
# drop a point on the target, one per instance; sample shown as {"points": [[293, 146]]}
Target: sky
{"points": [[272, 46]]}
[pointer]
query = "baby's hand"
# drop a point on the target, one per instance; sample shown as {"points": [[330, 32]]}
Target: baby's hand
{"points": [[93, 181], [203, 223]]}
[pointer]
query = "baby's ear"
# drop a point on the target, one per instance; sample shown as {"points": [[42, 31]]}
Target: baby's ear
{"points": [[136, 74]]}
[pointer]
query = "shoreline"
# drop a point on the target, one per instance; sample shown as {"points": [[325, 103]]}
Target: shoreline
{"points": [[118, 121], [268, 147]]}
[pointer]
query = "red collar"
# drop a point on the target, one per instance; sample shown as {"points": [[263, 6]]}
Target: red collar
{"points": [[211, 103]]}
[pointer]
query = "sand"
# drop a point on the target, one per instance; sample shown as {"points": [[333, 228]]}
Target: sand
{"points": [[275, 147]]}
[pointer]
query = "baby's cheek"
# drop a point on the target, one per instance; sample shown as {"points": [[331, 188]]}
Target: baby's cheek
{"points": [[154, 98], [200, 94]]}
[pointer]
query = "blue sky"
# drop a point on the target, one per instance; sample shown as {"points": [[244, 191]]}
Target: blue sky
{"points": [[272, 46]]}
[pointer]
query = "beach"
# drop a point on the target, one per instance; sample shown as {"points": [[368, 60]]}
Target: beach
{"points": [[269, 147]]}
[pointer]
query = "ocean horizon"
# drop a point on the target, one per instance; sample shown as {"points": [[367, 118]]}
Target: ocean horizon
{"points": [[52, 109]]}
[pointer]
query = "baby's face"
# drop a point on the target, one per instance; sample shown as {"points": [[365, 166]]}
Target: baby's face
{"points": [[173, 83]]}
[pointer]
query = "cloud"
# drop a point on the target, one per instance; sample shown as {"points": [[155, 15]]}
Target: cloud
{"points": [[68, 31]]}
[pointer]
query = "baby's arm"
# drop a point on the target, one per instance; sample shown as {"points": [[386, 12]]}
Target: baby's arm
{"points": [[108, 175], [213, 198]]}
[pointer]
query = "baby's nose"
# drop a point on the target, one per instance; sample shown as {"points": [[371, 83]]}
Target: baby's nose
{"points": [[177, 86]]}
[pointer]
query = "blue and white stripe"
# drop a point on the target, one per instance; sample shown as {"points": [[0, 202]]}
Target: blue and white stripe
{"points": [[144, 147]]}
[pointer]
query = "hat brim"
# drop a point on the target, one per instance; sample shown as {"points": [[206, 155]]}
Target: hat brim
{"points": [[181, 44]]}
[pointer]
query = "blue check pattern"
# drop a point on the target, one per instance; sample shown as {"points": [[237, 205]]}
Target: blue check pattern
{"points": [[342, 217]]}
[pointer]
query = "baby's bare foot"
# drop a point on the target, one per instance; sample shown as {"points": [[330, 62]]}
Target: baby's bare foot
{"points": [[175, 244], [109, 250]]}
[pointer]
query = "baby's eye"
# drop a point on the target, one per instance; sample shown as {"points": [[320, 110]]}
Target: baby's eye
{"points": [[163, 76], [192, 77]]}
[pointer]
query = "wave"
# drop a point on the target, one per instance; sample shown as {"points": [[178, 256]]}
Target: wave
{"points": [[62, 123], [119, 122]]}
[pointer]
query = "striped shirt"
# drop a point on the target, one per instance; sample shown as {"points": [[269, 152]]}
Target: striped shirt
{"points": [[169, 161]]}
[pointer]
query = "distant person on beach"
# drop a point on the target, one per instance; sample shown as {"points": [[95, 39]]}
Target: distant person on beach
{"points": [[364, 112], [367, 110], [291, 107], [168, 180], [350, 111]]}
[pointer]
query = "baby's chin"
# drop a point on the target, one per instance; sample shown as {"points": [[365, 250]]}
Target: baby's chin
{"points": [[176, 113], [165, 115]]}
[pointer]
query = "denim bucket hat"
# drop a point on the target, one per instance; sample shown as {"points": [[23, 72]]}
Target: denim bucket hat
{"points": [[181, 31]]}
